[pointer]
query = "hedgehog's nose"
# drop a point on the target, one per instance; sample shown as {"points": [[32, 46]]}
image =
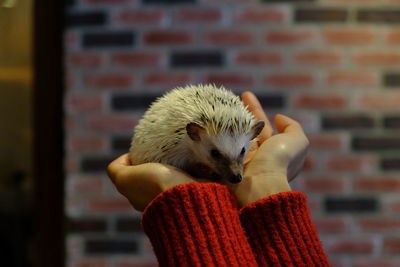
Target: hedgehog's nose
{"points": [[235, 179]]}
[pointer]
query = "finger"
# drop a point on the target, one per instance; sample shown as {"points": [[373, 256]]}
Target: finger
{"points": [[285, 124], [115, 165], [255, 107], [249, 157]]}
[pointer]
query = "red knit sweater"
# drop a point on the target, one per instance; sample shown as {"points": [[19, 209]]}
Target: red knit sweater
{"points": [[198, 224]]}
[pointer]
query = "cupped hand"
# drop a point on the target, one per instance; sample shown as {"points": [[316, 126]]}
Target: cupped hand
{"points": [[140, 184], [274, 160]]}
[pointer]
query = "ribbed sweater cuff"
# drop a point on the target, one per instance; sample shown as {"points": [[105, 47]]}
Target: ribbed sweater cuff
{"points": [[197, 224], [281, 233]]}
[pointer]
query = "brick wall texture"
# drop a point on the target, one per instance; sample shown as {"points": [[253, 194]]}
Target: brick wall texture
{"points": [[334, 65]]}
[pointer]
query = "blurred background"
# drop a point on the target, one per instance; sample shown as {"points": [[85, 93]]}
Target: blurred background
{"points": [[334, 65]]}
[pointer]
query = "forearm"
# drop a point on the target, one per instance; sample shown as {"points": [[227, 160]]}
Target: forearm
{"points": [[281, 233], [197, 225]]}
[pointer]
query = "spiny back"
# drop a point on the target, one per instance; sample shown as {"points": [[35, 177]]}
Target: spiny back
{"points": [[215, 109], [161, 133]]}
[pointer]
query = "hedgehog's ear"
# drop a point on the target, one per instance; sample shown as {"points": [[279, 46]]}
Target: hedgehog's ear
{"points": [[257, 128], [194, 131]]}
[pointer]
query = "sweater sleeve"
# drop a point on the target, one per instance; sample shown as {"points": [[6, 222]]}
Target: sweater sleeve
{"points": [[281, 233], [197, 224]]}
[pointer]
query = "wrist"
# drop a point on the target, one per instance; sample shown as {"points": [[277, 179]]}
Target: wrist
{"points": [[265, 185]]}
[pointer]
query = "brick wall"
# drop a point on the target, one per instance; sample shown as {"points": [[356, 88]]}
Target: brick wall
{"points": [[332, 64]]}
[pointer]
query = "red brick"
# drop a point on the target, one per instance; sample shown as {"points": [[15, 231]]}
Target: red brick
{"points": [[167, 37], [345, 36], [230, 79], [88, 262], [381, 101], [111, 123], [109, 2], [289, 37], [79, 60], [167, 79], [86, 144], [351, 163], [374, 262], [229, 37], [382, 183], [392, 245], [347, 79], [108, 81], [327, 142], [393, 37], [318, 58], [322, 185], [136, 59], [309, 164], [87, 185], [377, 58], [261, 15], [344, 246], [258, 58], [292, 80], [140, 17], [197, 15], [391, 205], [109, 205], [320, 101], [379, 224], [79, 103], [331, 225]]}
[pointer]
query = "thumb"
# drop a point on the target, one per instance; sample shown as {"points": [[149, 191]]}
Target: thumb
{"points": [[285, 124]]}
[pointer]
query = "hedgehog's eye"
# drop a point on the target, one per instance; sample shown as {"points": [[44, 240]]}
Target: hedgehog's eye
{"points": [[215, 153], [242, 151]]}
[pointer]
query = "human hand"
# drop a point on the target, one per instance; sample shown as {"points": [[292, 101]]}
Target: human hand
{"points": [[140, 184], [274, 160]]}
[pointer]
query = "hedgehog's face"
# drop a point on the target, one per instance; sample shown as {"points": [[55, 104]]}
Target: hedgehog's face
{"points": [[224, 153]]}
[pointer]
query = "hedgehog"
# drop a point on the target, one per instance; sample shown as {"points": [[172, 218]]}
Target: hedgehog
{"points": [[202, 129]]}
